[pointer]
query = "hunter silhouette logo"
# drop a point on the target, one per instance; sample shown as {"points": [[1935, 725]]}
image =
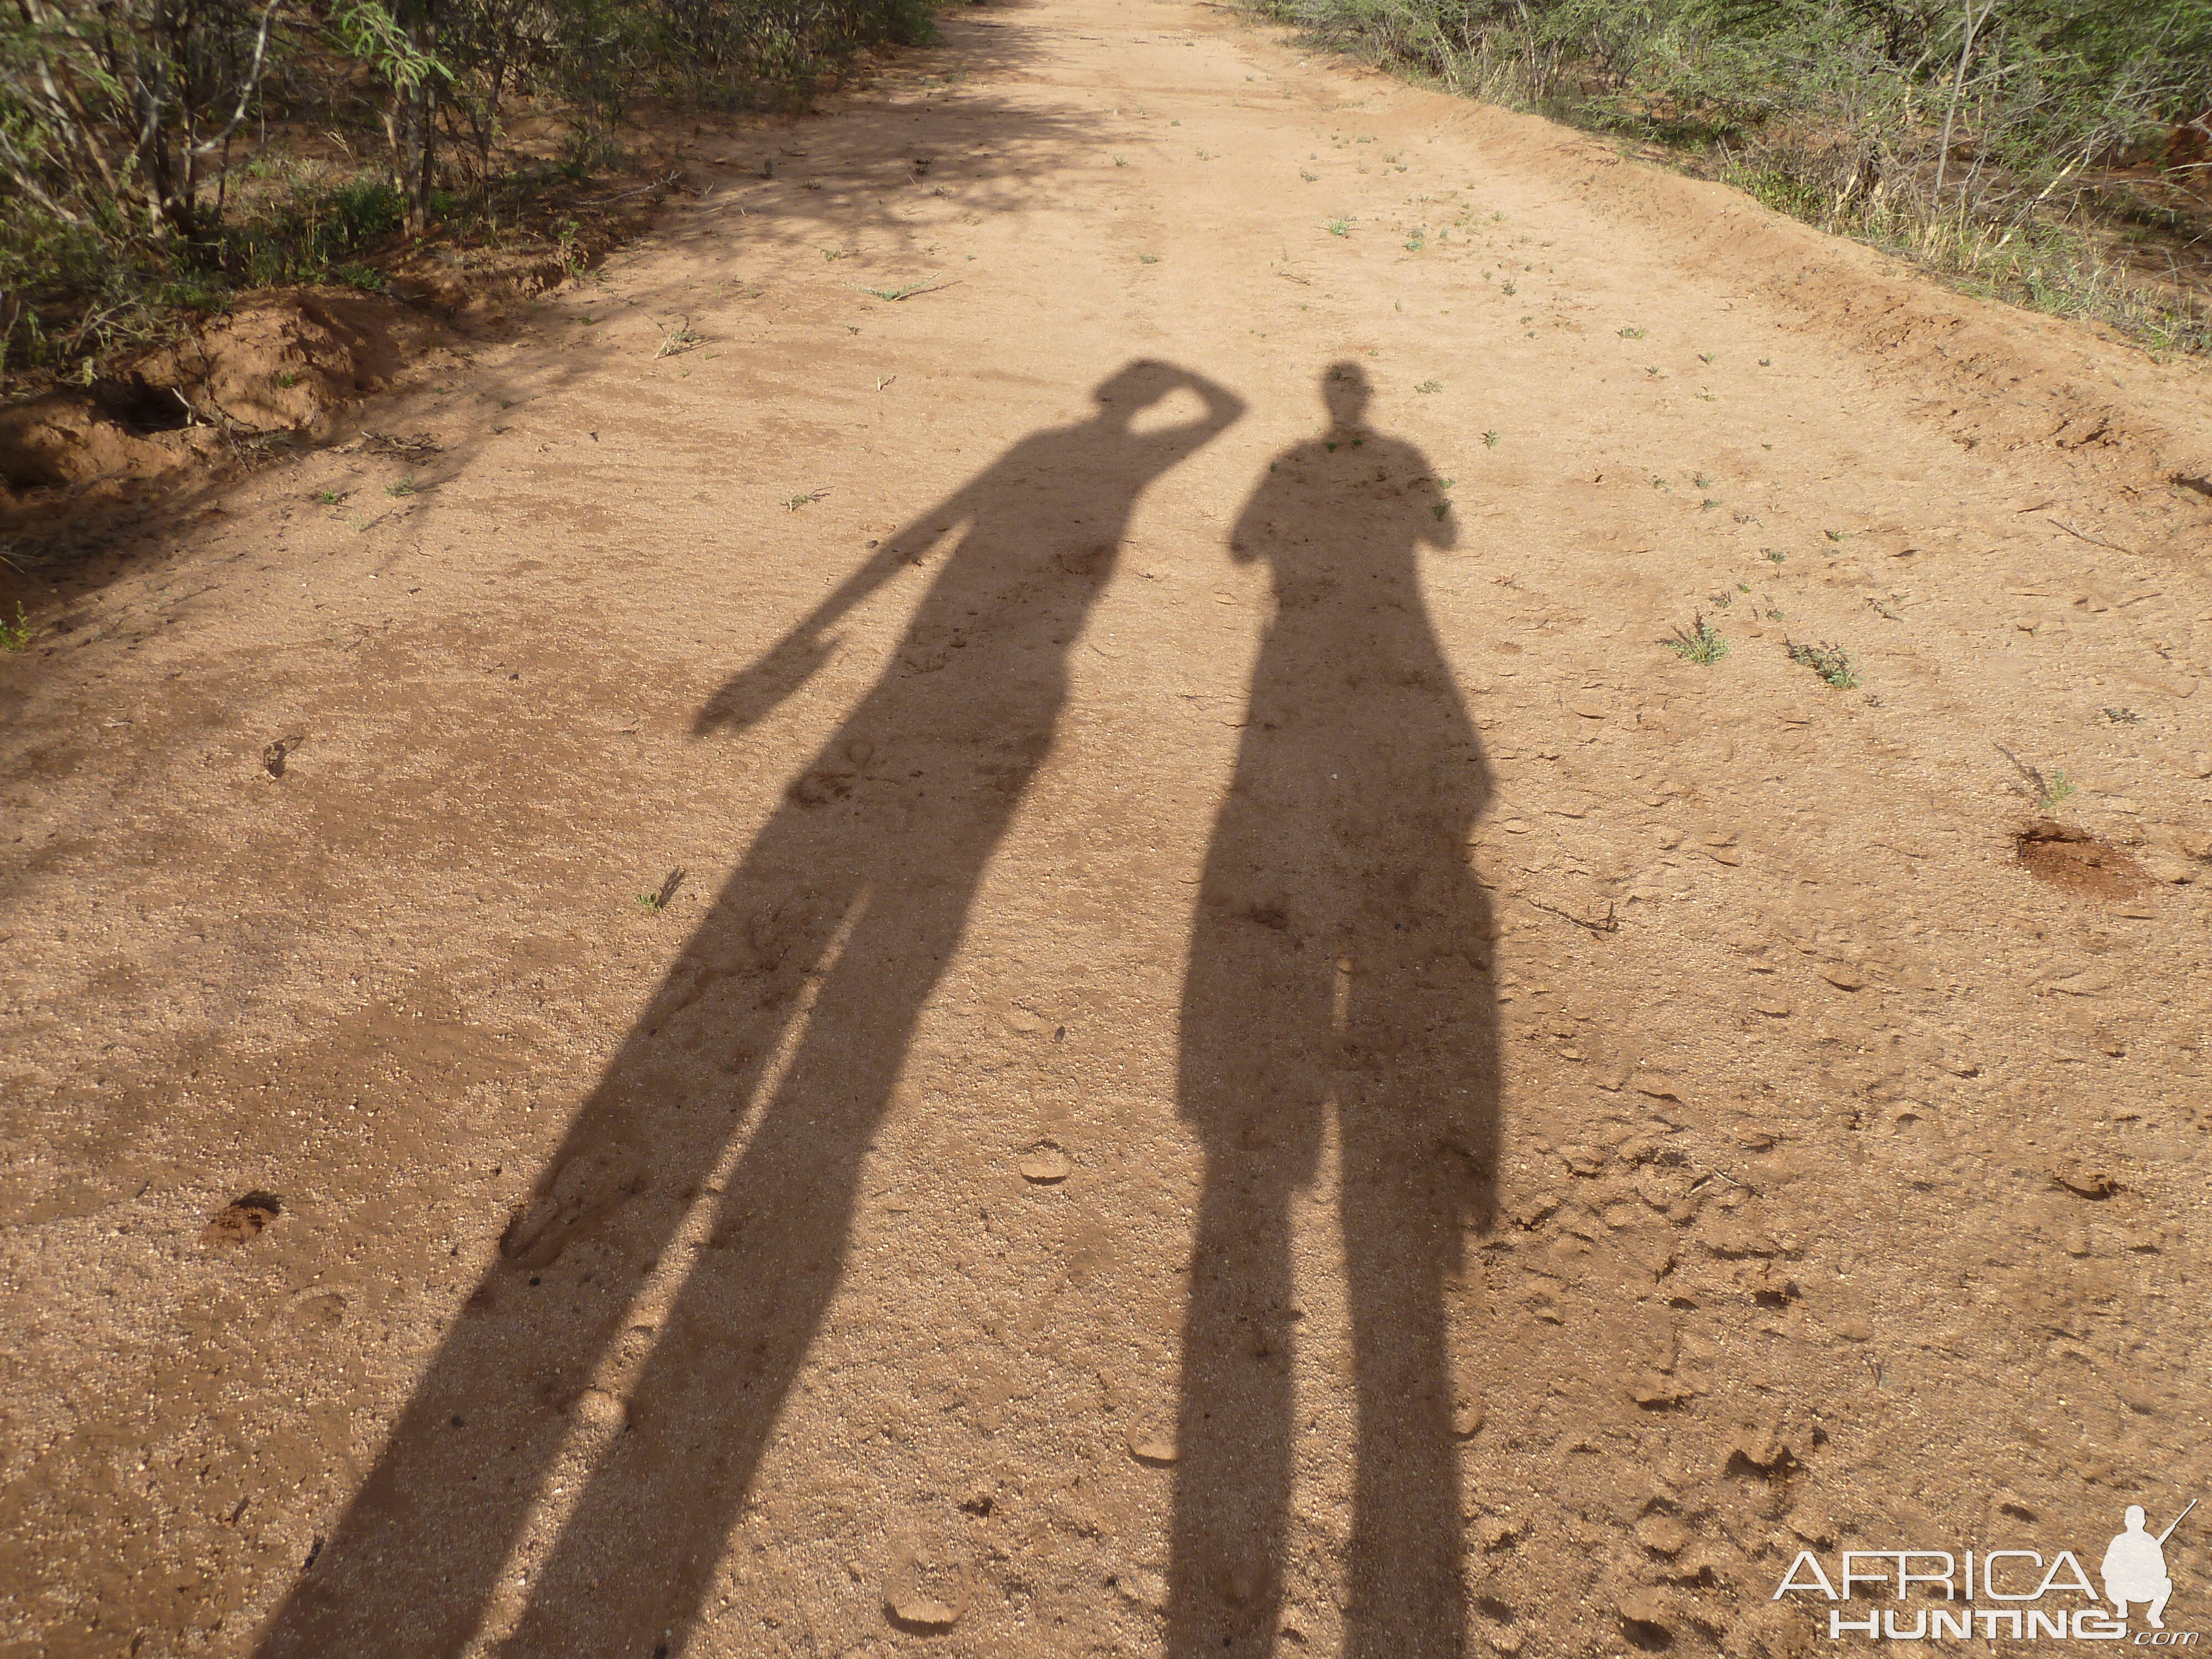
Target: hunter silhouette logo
{"points": [[2135, 1567], [2003, 1592]]}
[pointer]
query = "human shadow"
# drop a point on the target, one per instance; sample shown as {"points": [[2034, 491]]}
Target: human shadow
{"points": [[788, 1013], [1340, 960]]}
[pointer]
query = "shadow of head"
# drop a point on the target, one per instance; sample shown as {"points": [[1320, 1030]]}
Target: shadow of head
{"points": [[1344, 389]]}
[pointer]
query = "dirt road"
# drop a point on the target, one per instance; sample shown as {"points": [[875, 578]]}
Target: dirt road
{"points": [[1242, 1059]]}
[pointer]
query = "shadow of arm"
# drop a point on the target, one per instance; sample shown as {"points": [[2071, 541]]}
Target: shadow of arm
{"points": [[751, 694]]}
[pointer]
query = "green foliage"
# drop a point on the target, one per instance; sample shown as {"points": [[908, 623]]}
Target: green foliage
{"points": [[152, 153], [1830, 662], [1992, 153], [1697, 643]]}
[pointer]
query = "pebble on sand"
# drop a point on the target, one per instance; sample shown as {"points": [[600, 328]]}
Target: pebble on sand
{"points": [[1045, 1165], [1147, 1446]]}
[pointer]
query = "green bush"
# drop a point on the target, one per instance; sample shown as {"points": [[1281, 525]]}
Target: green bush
{"points": [[143, 158], [1980, 139]]}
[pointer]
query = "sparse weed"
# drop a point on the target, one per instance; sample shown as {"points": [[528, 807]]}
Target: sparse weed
{"points": [[404, 487], [1490, 439], [1338, 227], [1777, 554], [1631, 333], [680, 338], [793, 503], [1698, 643], [15, 635], [1830, 662], [905, 291], [330, 497], [1427, 386], [2046, 792]]}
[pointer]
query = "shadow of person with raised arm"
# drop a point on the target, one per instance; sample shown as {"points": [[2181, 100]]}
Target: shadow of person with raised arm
{"points": [[789, 1014], [1339, 963]]}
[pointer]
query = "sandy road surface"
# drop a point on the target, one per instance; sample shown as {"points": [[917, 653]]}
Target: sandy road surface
{"points": [[1243, 1057]]}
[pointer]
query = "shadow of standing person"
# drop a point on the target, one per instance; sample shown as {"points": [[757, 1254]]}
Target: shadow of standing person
{"points": [[1339, 959], [802, 989]]}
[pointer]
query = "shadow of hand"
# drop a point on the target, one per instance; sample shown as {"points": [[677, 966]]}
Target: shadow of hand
{"points": [[752, 694]]}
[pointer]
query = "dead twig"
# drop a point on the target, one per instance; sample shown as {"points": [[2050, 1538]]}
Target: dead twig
{"points": [[674, 175], [1608, 923], [2094, 541]]}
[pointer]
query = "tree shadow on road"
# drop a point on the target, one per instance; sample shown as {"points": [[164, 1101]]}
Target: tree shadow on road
{"points": [[1339, 963], [781, 1029]]}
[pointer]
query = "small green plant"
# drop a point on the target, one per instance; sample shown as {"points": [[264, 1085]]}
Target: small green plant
{"points": [[1148, 258], [15, 635], [1310, 178], [330, 497], [1777, 554], [1698, 643], [1702, 480], [656, 900], [1766, 362], [1507, 288], [1631, 333], [1121, 160], [1705, 356], [404, 487], [1830, 662], [1722, 601], [2046, 793], [287, 379], [1427, 386], [793, 503], [1338, 227], [1833, 535], [1490, 439]]}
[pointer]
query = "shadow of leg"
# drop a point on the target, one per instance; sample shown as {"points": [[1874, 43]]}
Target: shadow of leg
{"points": [[639, 1552], [1234, 1430], [1400, 1232], [413, 1563]]}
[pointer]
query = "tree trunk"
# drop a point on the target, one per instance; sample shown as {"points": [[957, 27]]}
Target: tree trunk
{"points": [[415, 129]]}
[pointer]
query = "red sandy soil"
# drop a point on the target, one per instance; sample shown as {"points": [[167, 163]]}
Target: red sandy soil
{"points": [[1244, 1060]]}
